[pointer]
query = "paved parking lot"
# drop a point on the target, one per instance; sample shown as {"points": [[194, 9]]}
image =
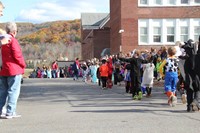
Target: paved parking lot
{"points": [[67, 106]]}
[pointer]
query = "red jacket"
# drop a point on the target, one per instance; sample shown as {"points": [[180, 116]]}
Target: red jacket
{"points": [[54, 66], [103, 69], [13, 60], [110, 66]]}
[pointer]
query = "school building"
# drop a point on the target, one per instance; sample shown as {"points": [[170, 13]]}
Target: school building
{"points": [[142, 24]]}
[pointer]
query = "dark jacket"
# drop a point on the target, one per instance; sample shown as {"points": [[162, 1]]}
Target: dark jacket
{"points": [[135, 65]]}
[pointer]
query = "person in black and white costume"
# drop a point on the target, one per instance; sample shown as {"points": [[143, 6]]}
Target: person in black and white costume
{"points": [[192, 74]]}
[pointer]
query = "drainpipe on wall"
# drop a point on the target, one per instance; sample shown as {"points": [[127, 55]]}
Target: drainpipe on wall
{"points": [[121, 39]]}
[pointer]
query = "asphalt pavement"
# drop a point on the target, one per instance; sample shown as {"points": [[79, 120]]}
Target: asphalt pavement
{"points": [[68, 106]]}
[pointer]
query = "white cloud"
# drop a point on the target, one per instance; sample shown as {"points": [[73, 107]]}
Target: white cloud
{"points": [[61, 10]]}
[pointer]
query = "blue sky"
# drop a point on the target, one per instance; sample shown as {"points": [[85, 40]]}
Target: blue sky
{"points": [[38, 11]]}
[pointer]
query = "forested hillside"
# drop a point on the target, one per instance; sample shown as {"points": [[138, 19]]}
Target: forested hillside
{"points": [[50, 41]]}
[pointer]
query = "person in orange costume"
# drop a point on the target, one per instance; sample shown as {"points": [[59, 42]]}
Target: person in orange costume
{"points": [[103, 69]]}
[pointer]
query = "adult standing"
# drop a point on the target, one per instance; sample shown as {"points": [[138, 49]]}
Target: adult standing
{"points": [[194, 97], [196, 100], [54, 69], [191, 75], [11, 73], [76, 67]]}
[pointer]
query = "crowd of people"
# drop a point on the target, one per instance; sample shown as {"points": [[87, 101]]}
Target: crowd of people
{"points": [[52, 71], [177, 65], [140, 68]]}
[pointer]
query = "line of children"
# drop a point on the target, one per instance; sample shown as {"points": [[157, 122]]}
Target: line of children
{"points": [[166, 69]]}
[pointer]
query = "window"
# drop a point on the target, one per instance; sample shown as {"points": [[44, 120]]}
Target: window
{"points": [[143, 34], [197, 1], [184, 34], [171, 2], [167, 31], [143, 2], [157, 34], [158, 2], [196, 33], [184, 1], [170, 34]]}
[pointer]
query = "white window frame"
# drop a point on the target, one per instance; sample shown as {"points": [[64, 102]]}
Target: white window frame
{"points": [[188, 1], [143, 23], [184, 23], [155, 2], [169, 23], [184, 34], [196, 34], [166, 3], [143, 4], [157, 34], [170, 34], [196, 24], [164, 23], [197, 2], [143, 35]]}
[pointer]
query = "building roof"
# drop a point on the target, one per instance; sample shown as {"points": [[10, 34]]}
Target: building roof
{"points": [[93, 20]]}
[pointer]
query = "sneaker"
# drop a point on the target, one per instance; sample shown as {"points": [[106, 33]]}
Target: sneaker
{"points": [[183, 98], [174, 101], [103, 88], [170, 101], [135, 97], [140, 95], [14, 115], [2, 115], [144, 95], [195, 106]]}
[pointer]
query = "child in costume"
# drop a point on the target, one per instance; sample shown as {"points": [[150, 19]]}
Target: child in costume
{"points": [[171, 75], [135, 73], [148, 75]]}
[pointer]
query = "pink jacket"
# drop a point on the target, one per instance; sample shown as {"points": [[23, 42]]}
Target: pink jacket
{"points": [[13, 60]]}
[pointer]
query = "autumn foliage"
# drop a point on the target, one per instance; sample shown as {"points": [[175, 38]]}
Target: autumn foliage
{"points": [[50, 41], [64, 32]]}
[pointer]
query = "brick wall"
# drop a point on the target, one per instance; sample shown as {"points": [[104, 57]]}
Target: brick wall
{"points": [[115, 23], [101, 41], [94, 44], [124, 14]]}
